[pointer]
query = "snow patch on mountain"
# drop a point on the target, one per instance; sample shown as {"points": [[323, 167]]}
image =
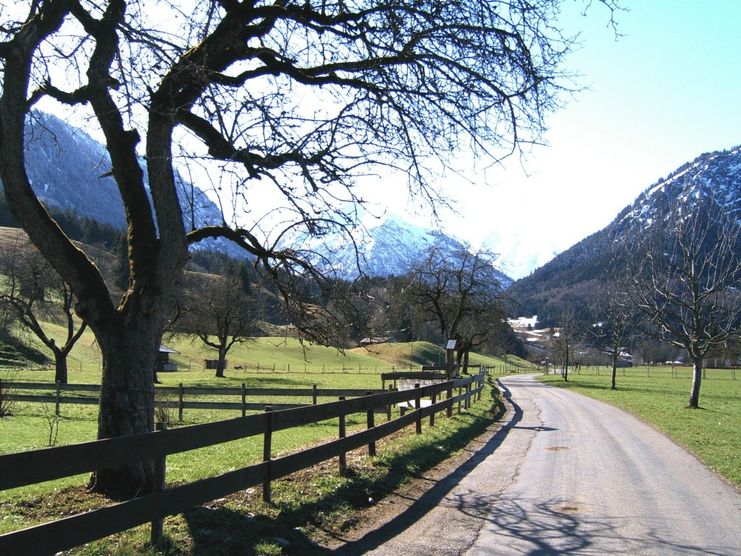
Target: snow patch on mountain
{"points": [[389, 247], [714, 175]]}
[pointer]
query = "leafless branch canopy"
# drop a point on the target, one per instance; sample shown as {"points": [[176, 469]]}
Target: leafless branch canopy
{"points": [[303, 97], [686, 272]]}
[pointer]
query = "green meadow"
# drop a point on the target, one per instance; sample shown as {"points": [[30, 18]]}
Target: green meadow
{"points": [[306, 506], [296, 364]]}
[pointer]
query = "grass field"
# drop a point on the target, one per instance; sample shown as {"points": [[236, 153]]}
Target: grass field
{"points": [[272, 354], [307, 505], [659, 396], [33, 425]]}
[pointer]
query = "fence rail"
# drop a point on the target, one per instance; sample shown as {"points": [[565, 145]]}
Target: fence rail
{"points": [[174, 397], [32, 467], [653, 371]]}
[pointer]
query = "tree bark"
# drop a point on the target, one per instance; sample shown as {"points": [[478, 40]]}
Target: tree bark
{"points": [[613, 379], [127, 403], [221, 363], [696, 380], [60, 367]]}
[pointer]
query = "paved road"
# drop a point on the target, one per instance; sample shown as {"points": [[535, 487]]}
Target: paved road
{"points": [[567, 474]]}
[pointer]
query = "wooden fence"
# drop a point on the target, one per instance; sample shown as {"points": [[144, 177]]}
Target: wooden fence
{"points": [[175, 397], [32, 467], [652, 371]]}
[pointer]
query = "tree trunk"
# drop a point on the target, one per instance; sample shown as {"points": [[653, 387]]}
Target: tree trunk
{"points": [[221, 363], [613, 376], [126, 404], [696, 380], [60, 367], [465, 362]]}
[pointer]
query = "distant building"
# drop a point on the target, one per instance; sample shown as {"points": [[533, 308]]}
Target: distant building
{"points": [[163, 359], [375, 340]]}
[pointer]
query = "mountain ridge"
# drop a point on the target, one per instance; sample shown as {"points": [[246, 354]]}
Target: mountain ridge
{"points": [[70, 172], [392, 246], [570, 278]]}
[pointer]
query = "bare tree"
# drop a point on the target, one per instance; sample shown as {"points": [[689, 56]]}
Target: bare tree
{"points": [[461, 293], [302, 96], [34, 292], [616, 326], [564, 340], [221, 312], [684, 276]]}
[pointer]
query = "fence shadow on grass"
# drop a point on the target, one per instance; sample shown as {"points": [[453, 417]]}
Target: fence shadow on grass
{"points": [[225, 531]]}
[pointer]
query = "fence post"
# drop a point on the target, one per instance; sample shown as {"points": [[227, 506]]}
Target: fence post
{"points": [[267, 446], [460, 391], [244, 400], [313, 395], [371, 417], [418, 407], [388, 406], [181, 395], [449, 411], [342, 433], [159, 469], [59, 395], [432, 415]]}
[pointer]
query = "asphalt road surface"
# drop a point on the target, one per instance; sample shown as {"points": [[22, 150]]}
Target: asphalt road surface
{"points": [[567, 474]]}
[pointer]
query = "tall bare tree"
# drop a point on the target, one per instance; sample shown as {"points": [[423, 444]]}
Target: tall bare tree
{"points": [[685, 275], [221, 311], [616, 326], [460, 292], [34, 292], [564, 340], [301, 96]]}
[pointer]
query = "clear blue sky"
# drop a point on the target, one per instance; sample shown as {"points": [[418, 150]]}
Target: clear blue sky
{"points": [[661, 94]]}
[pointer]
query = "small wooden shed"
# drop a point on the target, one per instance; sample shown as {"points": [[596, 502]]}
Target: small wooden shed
{"points": [[163, 359]]}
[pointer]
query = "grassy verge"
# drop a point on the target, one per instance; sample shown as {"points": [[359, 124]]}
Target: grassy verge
{"points": [[308, 508], [711, 433]]}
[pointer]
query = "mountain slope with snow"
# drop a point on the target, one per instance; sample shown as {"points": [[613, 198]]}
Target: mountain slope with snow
{"points": [[570, 280], [391, 247]]}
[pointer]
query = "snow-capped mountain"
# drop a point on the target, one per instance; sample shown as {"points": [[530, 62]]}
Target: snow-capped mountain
{"points": [[70, 171], [390, 247], [569, 280], [714, 175]]}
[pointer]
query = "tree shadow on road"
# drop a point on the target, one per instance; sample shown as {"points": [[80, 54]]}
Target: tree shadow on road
{"points": [[434, 495], [561, 526]]}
